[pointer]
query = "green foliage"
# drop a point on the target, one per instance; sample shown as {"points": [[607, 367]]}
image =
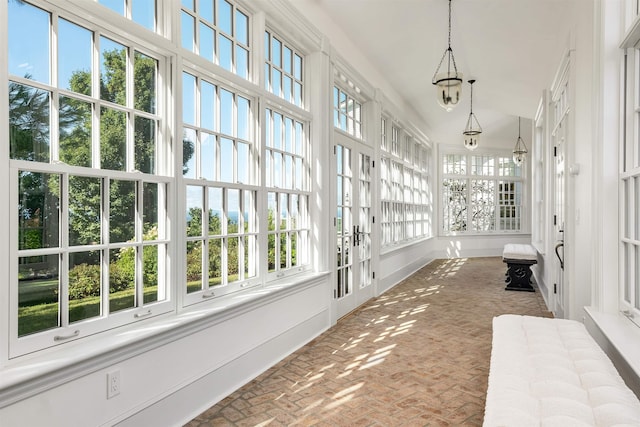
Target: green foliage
{"points": [[84, 281]]}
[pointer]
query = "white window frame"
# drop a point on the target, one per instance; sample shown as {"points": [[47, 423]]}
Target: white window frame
{"points": [[629, 189], [491, 175], [70, 331], [404, 178]]}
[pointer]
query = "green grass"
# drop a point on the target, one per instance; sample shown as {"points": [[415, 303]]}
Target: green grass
{"points": [[38, 309], [40, 317]]}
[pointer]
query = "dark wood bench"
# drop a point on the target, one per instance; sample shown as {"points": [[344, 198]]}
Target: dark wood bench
{"points": [[519, 258]]}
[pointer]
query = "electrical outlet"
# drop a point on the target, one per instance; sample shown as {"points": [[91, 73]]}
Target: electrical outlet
{"points": [[113, 383]]}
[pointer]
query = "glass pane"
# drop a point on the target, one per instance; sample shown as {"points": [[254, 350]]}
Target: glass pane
{"points": [[75, 131], [188, 153], [113, 139], [286, 88], [188, 4], [276, 52], [242, 28], [74, 45], [194, 210], [242, 62], [151, 259], [232, 259], [225, 52], [299, 176], [144, 13], [297, 67], [277, 130], [188, 99], [243, 118], [122, 211], [272, 207], [150, 206], [208, 113], [250, 269], [29, 129], [206, 10], [207, 46], [226, 159], [299, 150], [194, 266], [85, 210], [113, 74], [286, 60], [215, 262], [84, 285], [226, 112], [249, 212], [144, 83], [29, 43], [38, 290], [267, 46], [215, 211], [243, 163], [188, 31], [277, 170], [284, 210], [115, 5], [122, 275], [267, 77], [233, 211], [288, 172], [38, 210], [145, 145], [276, 82], [208, 153], [225, 10], [283, 250]]}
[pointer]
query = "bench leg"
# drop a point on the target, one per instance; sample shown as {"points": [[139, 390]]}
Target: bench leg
{"points": [[519, 278]]}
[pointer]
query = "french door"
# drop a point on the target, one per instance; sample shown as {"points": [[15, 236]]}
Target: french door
{"points": [[353, 218], [559, 139]]}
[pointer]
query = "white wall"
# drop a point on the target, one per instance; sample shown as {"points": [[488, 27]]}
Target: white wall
{"points": [[182, 372]]}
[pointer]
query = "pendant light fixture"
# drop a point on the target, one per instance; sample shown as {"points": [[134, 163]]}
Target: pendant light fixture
{"points": [[520, 150], [448, 82], [473, 130]]}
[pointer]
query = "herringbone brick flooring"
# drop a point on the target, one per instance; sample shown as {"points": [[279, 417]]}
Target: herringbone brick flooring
{"points": [[416, 356]]}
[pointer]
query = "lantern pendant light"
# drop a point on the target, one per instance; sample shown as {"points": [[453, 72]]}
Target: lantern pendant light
{"points": [[473, 130], [449, 81], [520, 150]]}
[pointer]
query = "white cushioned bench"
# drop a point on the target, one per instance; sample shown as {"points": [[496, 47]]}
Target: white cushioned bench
{"points": [[519, 257], [551, 372]]}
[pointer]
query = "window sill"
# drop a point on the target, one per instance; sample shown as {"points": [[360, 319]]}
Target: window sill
{"points": [[35, 373], [391, 247], [623, 335]]}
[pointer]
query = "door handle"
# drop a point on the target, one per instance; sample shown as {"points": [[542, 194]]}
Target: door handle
{"points": [[558, 246]]}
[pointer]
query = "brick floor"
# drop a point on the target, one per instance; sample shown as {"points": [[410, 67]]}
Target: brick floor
{"points": [[416, 356]]}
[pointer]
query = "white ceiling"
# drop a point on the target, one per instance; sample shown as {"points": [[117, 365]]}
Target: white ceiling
{"points": [[511, 47]]}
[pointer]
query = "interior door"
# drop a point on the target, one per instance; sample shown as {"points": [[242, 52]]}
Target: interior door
{"points": [[559, 138], [353, 164]]}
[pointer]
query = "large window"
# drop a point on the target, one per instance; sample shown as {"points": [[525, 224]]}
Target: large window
{"points": [[282, 69], [219, 169], [98, 167], [630, 192], [90, 240], [481, 193], [347, 113], [288, 183], [404, 192], [218, 31]]}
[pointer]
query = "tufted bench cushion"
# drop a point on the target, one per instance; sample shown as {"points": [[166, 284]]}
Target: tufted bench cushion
{"points": [[519, 251], [550, 372]]}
